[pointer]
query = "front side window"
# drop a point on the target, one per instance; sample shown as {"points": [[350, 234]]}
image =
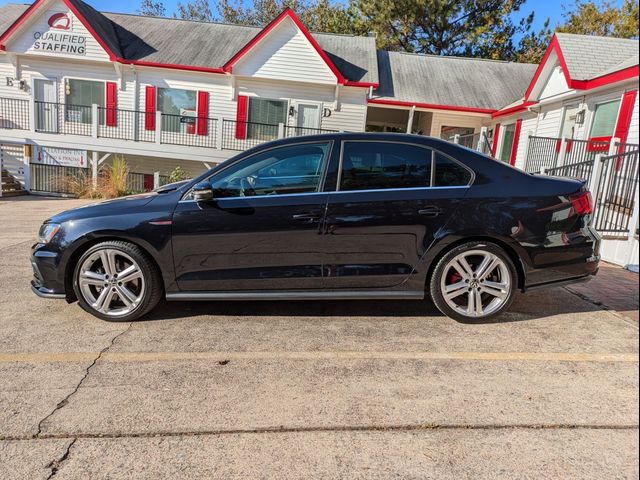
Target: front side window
{"points": [[381, 165], [278, 171], [179, 110], [604, 119], [264, 116], [80, 95], [508, 137]]}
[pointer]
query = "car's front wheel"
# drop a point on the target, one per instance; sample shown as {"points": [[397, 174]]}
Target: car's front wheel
{"points": [[474, 281], [117, 281]]}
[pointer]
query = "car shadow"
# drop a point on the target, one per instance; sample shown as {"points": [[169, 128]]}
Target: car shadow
{"points": [[526, 307]]}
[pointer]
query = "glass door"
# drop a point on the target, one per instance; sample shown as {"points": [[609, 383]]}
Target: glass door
{"points": [[508, 134]]}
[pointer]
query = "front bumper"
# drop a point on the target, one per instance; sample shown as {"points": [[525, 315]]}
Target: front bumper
{"points": [[48, 277], [45, 293]]}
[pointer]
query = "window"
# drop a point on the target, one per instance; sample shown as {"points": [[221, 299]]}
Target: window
{"points": [[264, 116], [179, 110], [447, 133], [508, 135], [448, 173], [80, 95], [378, 165], [278, 171], [604, 119]]}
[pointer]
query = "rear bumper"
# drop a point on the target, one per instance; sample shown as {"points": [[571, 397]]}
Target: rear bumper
{"points": [[566, 274]]}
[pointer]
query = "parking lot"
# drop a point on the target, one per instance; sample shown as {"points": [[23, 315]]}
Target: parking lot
{"points": [[309, 390]]}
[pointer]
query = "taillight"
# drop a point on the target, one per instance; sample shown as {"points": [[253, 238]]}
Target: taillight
{"points": [[582, 203]]}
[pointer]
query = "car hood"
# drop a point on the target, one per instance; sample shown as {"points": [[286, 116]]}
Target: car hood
{"points": [[105, 208]]}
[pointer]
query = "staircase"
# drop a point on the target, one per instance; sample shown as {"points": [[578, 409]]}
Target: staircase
{"points": [[10, 187]]}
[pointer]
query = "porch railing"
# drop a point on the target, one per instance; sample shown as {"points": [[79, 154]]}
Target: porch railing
{"points": [[477, 141], [552, 152], [140, 126]]}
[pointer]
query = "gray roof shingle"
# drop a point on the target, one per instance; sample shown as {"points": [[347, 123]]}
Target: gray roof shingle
{"points": [[589, 56], [455, 81]]}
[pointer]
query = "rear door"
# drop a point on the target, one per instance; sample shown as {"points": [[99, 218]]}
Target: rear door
{"points": [[392, 200]]}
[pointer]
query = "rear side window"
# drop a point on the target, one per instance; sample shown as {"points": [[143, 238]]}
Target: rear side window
{"points": [[449, 173], [382, 165]]}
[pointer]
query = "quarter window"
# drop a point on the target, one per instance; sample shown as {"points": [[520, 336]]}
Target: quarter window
{"points": [[179, 110], [382, 165], [264, 116], [449, 173], [80, 95], [278, 171]]}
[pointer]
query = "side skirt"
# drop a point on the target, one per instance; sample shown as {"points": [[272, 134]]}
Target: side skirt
{"points": [[293, 295]]}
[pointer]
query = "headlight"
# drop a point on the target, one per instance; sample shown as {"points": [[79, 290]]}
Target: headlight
{"points": [[47, 232]]}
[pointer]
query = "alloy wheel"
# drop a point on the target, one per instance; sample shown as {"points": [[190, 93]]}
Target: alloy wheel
{"points": [[476, 283], [111, 282]]}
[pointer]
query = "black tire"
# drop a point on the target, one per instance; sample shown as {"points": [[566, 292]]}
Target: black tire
{"points": [[150, 272], [435, 282]]}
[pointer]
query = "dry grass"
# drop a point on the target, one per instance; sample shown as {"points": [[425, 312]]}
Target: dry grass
{"points": [[112, 182]]}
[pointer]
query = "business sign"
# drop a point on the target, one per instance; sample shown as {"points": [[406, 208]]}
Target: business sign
{"points": [[59, 38], [64, 157]]}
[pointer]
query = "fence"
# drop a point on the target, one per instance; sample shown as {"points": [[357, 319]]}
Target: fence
{"points": [[476, 141], [551, 152], [542, 153], [581, 170], [14, 114], [56, 178]]}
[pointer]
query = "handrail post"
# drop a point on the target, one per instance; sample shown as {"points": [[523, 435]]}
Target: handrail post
{"points": [[482, 139], [563, 152], [33, 113], [94, 169], [156, 180], [219, 132], [281, 130], [594, 183], [613, 146], [158, 127], [456, 138], [543, 170], [95, 120]]}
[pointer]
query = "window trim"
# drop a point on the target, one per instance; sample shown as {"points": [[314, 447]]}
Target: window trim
{"points": [[433, 153], [65, 80], [287, 101], [320, 188], [602, 101]]}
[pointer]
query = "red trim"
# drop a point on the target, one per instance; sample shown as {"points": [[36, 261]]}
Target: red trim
{"points": [[203, 113], [111, 102], [516, 141], [599, 144], [511, 110], [554, 45], [454, 108], [494, 144], [18, 23], [241, 117], [624, 116], [287, 13], [150, 107], [349, 83]]}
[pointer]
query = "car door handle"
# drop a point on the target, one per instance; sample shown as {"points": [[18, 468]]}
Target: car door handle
{"points": [[431, 211], [307, 217]]}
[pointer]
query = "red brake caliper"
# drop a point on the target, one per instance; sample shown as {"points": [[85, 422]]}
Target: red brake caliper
{"points": [[455, 277]]}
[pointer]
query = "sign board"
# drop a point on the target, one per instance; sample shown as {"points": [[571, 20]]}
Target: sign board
{"points": [[64, 157], [59, 38]]}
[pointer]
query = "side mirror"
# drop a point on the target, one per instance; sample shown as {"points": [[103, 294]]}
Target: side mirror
{"points": [[202, 192]]}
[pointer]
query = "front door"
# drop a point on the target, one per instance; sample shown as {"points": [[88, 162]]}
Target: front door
{"points": [[392, 201], [47, 107], [308, 118], [263, 230]]}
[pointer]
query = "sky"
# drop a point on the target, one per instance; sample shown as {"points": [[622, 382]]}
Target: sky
{"points": [[543, 8]]}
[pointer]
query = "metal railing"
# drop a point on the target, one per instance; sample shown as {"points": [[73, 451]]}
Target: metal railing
{"points": [[551, 152], [581, 170], [56, 178], [14, 114], [615, 193], [293, 131], [124, 125], [477, 141], [188, 131], [542, 152]]}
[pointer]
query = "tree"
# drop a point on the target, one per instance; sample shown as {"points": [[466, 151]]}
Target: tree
{"points": [[602, 18], [151, 8], [195, 10]]}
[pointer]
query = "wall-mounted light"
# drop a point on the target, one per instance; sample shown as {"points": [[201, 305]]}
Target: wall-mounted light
{"points": [[292, 111], [23, 85], [580, 117]]}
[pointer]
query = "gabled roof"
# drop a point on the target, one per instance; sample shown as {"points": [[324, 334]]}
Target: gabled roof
{"points": [[470, 84], [203, 46]]}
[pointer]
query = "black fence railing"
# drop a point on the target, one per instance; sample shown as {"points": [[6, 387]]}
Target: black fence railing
{"points": [[581, 170], [243, 135], [124, 125], [56, 178], [542, 153], [293, 131], [64, 118], [189, 131], [615, 193], [14, 114]]}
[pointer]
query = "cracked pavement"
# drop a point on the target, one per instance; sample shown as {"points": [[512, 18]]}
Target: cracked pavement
{"points": [[304, 390]]}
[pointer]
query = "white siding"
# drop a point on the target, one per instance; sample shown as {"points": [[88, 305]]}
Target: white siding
{"points": [[24, 40], [556, 84], [352, 114], [286, 54], [549, 120], [440, 120]]}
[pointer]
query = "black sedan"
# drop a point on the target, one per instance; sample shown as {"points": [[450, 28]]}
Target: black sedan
{"points": [[344, 216]]}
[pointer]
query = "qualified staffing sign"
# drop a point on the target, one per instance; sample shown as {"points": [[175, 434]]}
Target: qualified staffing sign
{"points": [[64, 157], [59, 38]]}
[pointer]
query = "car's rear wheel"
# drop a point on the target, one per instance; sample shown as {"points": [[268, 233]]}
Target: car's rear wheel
{"points": [[117, 281], [474, 281]]}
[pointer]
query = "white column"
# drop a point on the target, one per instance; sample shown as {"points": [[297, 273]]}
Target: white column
{"points": [[410, 121], [26, 159], [613, 146], [158, 127], [94, 169], [95, 120], [596, 173], [156, 180], [281, 130], [563, 152], [456, 138], [482, 140], [219, 132]]}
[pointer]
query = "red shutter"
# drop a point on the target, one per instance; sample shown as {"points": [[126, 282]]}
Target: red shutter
{"points": [[203, 113], [516, 140], [496, 134], [241, 117], [150, 108], [624, 117], [112, 103]]}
